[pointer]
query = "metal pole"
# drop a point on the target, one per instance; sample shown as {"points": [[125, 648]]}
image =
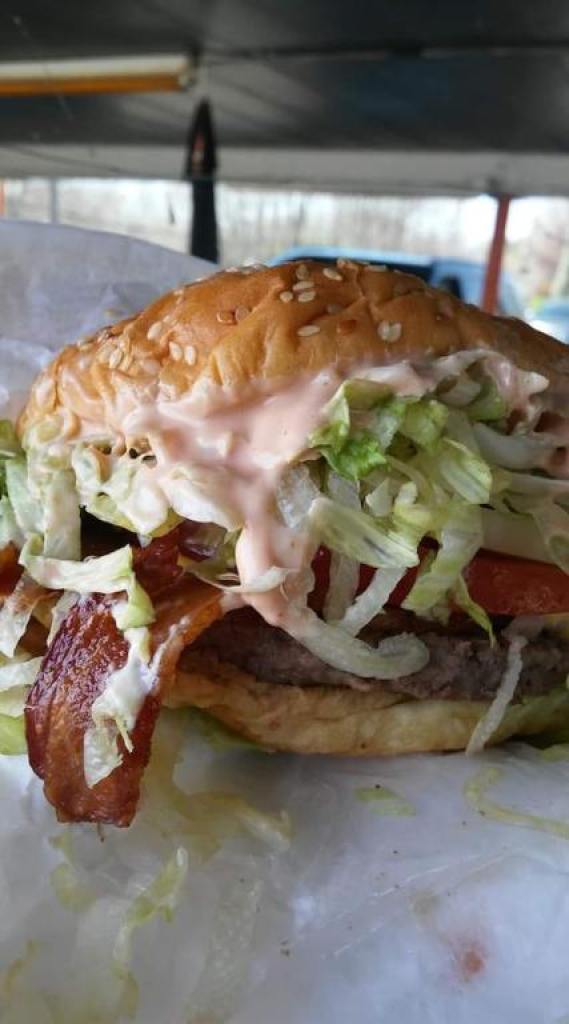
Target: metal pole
{"points": [[2, 199], [495, 254], [53, 201]]}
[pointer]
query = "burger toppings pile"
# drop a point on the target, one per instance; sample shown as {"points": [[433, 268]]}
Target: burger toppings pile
{"points": [[407, 524]]}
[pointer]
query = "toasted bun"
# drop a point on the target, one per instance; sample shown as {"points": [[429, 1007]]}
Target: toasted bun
{"points": [[337, 720], [239, 327]]}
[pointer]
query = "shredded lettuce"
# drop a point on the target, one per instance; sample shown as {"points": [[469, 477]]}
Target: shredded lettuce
{"points": [[379, 501], [273, 577], [12, 735], [513, 534], [513, 451], [464, 472], [475, 791], [295, 493], [463, 600], [61, 520], [423, 423], [553, 525], [18, 671], [386, 420], [555, 752], [10, 532], [344, 573], [488, 405], [357, 457], [72, 893], [16, 677], [460, 539], [489, 722], [336, 423], [371, 602], [355, 534], [393, 658], [16, 613], [204, 819], [9, 444], [27, 510], [385, 801], [107, 574], [116, 709], [160, 897]]}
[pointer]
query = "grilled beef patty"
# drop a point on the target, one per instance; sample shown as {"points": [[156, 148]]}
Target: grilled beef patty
{"points": [[462, 664]]}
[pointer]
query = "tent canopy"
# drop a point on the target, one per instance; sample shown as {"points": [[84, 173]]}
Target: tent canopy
{"points": [[380, 96]]}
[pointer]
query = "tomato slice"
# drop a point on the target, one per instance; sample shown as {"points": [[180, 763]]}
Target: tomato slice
{"points": [[502, 585], [515, 586]]}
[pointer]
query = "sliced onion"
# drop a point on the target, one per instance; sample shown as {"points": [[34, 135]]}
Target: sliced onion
{"points": [[491, 720]]}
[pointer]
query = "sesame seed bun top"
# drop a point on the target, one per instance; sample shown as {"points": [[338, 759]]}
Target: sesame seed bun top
{"points": [[260, 324]]}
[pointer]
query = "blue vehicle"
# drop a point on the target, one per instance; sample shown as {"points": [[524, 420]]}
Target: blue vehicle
{"points": [[552, 317], [463, 278]]}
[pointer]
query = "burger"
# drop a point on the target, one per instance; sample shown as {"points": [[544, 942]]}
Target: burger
{"points": [[325, 504]]}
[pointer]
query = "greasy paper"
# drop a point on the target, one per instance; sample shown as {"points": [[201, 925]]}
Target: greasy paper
{"points": [[371, 892]]}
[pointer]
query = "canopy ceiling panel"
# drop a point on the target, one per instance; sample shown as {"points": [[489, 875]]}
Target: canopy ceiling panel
{"points": [[303, 77]]}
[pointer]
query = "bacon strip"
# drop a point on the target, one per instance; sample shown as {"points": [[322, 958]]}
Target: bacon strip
{"points": [[86, 649], [10, 571]]}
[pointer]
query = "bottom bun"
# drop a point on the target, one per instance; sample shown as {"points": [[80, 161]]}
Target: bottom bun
{"points": [[330, 720]]}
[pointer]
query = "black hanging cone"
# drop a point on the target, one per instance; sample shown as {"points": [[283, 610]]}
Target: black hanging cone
{"points": [[200, 169]]}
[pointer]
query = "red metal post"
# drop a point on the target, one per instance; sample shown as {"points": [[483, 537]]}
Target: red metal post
{"points": [[495, 254]]}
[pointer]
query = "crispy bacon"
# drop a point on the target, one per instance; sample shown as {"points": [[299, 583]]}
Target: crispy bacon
{"points": [[10, 571], [86, 649]]}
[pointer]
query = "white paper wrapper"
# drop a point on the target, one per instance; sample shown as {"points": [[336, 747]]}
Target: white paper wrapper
{"points": [[439, 915]]}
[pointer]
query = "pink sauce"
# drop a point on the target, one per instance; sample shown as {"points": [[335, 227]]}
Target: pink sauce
{"points": [[219, 455]]}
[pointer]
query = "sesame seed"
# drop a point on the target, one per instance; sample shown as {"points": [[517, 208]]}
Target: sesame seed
{"points": [[225, 316], [346, 326], [334, 275], [307, 330], [154, 330], [306, 296], [126, 363], [347, 263], [232, 270], [389, 332], [176, 351], [377, 268], [302, 272], [301, 286], [286, 296], [191, 355], [115, 358], [241, 312], [334, 308]]}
